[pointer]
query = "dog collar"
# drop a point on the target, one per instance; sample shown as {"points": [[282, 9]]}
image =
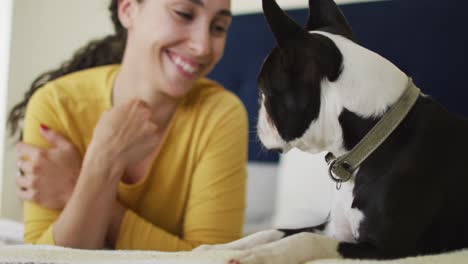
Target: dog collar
{"points": [[343, 168]]}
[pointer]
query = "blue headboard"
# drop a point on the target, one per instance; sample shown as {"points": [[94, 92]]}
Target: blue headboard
{"points": [[427, 39]]}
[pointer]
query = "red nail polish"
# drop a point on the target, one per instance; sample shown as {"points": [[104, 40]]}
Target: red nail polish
{"points": [[44, 127]]}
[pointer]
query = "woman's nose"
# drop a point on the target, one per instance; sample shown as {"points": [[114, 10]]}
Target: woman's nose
{"points": [[200, 42]]}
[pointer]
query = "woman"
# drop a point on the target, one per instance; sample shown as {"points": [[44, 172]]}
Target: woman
{"points": [[142, 155]]}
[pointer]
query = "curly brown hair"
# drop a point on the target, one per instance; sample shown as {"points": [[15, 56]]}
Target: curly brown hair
{"points": [[105, 51]]}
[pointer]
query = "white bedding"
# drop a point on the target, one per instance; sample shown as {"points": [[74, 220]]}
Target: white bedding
{"points": [[25, 254]]}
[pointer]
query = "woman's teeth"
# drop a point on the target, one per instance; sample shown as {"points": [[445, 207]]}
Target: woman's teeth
{"points": [[187, 67]]}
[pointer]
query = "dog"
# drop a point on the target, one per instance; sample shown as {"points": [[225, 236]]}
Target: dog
{"points": [[320, 91]]}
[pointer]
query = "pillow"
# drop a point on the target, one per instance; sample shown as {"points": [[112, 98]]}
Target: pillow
{"points": [[11, 232], [261, 196], [304, 190]]}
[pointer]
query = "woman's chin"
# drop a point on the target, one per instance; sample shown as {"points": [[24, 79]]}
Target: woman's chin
{"points": [[178, 91], [179, 86]]}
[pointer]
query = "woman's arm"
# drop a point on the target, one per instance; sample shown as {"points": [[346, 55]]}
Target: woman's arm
{"points": [[84, 220], [42, 109], [124, 135], [48, 175], [86, 201], [116, 144], [215, 209]]}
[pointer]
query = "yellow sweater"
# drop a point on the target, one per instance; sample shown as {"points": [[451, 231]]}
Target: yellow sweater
{"points": [[194, 192]]}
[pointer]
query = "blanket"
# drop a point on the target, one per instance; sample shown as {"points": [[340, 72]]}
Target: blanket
{"points": [[27, 254]]}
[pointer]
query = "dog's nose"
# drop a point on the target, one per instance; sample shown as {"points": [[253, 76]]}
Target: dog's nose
{"points": [[277, 150]]}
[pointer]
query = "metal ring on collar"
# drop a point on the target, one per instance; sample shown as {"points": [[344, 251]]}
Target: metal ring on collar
{"points": [[336, 178]]}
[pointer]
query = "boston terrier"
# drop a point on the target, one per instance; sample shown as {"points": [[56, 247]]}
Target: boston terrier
{"points": [[321, 91]]}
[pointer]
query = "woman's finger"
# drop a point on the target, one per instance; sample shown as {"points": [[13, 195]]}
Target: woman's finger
{"points": [[22, 182], [26, 167], [54, 138], [26, 150], [24, 194]]}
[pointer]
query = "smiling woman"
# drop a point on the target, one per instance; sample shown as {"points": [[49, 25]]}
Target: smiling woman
{"points": [[128, 141]]}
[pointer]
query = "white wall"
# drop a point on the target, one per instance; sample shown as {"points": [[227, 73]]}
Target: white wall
{"points": [[5, 34]]}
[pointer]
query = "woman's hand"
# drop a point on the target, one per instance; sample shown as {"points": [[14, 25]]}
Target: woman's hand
{"points": [[124, 136], [48, 176]]}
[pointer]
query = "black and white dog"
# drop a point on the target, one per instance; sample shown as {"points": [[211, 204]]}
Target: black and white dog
{"points": [[320, 91]]}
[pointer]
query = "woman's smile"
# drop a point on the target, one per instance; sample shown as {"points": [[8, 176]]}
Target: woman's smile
{"points": [[187, 67]]}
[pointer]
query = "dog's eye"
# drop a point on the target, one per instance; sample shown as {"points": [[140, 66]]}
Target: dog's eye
{"points": [[261, 87], [266, 92]]}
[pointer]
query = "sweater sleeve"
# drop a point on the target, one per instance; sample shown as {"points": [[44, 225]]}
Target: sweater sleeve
{"points": [[215, 207], [38, 221]]}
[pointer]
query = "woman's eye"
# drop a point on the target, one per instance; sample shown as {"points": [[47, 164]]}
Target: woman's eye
{"points": [[219, 29], [184, 15]]}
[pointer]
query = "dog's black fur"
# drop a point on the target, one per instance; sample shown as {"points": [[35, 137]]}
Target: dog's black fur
{"points": [[411, 190]]}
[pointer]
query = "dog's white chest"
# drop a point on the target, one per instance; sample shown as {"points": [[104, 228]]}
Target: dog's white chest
{"points": [[344, 220]]}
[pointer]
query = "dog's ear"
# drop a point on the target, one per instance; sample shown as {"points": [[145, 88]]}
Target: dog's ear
{"points": [[325, 15], [283, 27]]}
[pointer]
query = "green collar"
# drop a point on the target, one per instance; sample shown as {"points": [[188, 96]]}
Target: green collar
{"points": [[343, 168]]}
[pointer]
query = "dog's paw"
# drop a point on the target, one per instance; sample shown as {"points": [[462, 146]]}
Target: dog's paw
{"points": [[205, 248], [216, 247], [245, 257], [257, 257]]}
